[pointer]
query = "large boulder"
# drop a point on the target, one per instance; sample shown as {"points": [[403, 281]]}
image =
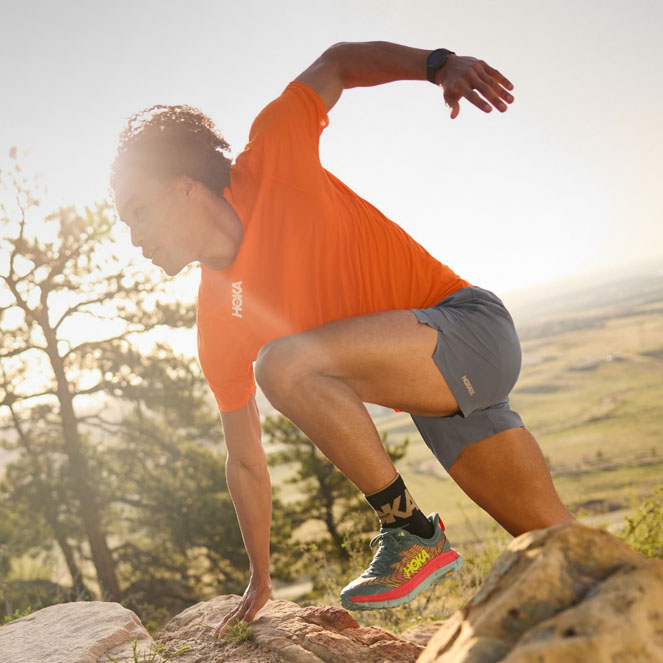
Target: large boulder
{"points": [[284, 632], [566, 594], [78, 632]]}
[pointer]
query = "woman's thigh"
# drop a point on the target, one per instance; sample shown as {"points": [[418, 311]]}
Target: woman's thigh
{"points": [[385, 357], [458, 356]]}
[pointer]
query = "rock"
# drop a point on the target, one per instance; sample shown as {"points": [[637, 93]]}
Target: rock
{"points": [[566, 594], [85, 631], [285, 633], [421, 633], [78, 632]]}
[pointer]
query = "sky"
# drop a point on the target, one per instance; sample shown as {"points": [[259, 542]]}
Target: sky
{"points": [[565, 183]]}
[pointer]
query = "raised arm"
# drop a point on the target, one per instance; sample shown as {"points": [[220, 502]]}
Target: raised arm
{"points": [[361, 64]]}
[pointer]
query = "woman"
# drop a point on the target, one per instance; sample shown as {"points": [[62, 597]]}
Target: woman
{"points": [[338, 306]]}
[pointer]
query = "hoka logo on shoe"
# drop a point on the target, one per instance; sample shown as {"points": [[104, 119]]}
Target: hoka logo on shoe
{"points": [[415, 564], [237, 299]]}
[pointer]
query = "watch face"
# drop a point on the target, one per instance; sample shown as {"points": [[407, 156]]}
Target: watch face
{"points": [[437, 59]]}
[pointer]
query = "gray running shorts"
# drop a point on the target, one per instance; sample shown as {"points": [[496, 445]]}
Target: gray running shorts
{"points": [[479, 355]]}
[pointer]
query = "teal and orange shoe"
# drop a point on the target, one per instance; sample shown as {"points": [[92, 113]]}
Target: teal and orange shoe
{"points": [[403, 565]]}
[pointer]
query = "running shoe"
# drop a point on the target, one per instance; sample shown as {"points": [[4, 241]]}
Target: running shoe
{"points": [[403, 565]]}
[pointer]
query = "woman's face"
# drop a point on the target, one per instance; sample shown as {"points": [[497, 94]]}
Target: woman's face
{"points": [[161, 216]]}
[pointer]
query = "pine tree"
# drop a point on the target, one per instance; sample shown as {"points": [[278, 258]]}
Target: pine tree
{"points": [[110, 434]]}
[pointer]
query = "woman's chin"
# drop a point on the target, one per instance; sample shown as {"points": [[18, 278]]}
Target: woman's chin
{"points": [[171, 269]]}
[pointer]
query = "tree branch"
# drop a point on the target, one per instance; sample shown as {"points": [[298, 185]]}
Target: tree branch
{"points": [[103, 424], [91, 390], [12, 397], [76, 307], [19, 300], [18, 351], [93, 344]]}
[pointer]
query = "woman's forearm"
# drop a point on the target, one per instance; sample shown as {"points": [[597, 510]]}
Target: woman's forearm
{"points": [[375, 62], [368, 63], [251, 492]]}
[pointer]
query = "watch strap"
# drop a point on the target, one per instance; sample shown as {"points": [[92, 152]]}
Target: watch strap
{"points": [[435, 61]]}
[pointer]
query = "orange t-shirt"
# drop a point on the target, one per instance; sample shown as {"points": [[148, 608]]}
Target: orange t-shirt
{"points": [[313, 250]]}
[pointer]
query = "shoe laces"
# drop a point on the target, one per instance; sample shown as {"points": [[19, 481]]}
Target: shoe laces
{"points": [[384, 558]]}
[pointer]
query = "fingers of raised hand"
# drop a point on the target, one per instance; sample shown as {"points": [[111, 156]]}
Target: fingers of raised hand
{"points": [[491, 93], [485, 80], [472, 96], [496, 86], [497, 75]]}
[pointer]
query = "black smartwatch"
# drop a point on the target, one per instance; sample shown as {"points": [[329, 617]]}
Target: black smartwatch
{"points": [[435, 61]]}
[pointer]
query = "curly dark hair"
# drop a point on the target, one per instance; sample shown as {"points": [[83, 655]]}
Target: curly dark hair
{"points": [[167, 141]]}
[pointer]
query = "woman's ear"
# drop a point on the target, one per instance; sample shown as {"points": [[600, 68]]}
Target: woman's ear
{"points": [[190, 186], [185, 186]]}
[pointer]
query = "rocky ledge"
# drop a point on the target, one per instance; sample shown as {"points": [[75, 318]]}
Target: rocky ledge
{"points": [[560, 595]]}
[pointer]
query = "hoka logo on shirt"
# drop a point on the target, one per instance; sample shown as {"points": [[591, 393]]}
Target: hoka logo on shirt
{"points": [[237, 299]]}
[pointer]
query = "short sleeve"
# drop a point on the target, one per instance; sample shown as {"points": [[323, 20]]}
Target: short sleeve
{"points": [[230, 378], [285, 136]]}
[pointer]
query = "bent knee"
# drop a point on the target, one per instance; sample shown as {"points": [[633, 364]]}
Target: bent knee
{"points": [[278, 366]]}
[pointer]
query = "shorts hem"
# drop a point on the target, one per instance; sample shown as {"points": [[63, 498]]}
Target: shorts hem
{"points": [[448, 436]]}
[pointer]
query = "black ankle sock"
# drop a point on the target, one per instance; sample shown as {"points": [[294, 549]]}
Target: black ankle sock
{"points": [[395, 507]]}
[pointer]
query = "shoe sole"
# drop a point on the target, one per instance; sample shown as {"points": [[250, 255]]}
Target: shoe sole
{"points": [[433, 578]]}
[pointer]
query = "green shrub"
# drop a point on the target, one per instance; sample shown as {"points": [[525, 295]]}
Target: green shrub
{"points": [[644, 530], [239, 632], [156, 652], [16, 615]]}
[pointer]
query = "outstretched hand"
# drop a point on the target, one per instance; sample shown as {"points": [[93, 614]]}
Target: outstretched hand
{"points": [[462, 75], [255, 596]]}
